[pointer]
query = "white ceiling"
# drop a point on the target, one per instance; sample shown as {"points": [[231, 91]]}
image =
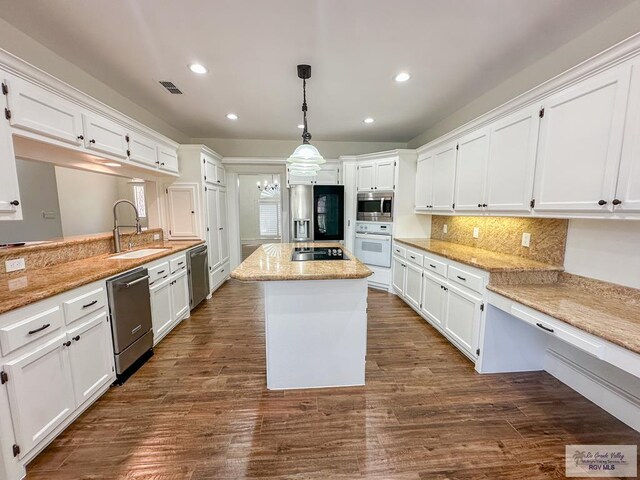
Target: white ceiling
{"points": [[455, 50]]}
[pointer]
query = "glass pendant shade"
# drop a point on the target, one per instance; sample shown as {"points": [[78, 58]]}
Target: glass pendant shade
{"points": [[304, 169], [306, 154]]}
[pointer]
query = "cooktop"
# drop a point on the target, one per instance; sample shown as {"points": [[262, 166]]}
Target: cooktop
{"points": [[307, 254]]}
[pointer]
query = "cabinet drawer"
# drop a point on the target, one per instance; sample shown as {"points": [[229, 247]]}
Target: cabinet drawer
{"points": [[414, 257], [220, 275], [158, 272], [80, 306], [178, 263], [399, 251], [469, 280], [435, 266], [32, 328]]}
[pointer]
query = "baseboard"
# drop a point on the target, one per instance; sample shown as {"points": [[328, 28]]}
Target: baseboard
{"points": [[610, 396]]}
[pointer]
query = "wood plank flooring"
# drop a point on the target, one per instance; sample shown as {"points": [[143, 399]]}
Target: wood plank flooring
{"points": [[200, 410]]}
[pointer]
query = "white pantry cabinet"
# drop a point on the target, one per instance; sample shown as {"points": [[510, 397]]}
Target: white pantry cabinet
{"points": [[377, 175], [472, 154], [182, 210], [104, 136], [580, 144], [443, 177]]}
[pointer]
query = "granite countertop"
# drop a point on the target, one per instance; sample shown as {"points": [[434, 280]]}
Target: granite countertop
{"points": [[272, 262], [609, 313], [21, 288], [477, 257]]}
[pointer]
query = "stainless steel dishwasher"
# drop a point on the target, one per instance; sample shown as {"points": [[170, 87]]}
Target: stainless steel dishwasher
{"points": [[198, 266], [131, 327]]}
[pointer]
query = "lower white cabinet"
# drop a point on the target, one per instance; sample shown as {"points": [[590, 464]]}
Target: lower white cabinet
{"points": [[398, 278], [413, 284], [179, 288], [161, 313], [463, 318], [434, 299], [41, 394]]}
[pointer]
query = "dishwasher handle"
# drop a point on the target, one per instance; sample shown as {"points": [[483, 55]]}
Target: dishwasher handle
{"points": [[130, 284]]}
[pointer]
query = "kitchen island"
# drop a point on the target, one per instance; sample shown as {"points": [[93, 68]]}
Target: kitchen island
{"points": [[315, 316]]}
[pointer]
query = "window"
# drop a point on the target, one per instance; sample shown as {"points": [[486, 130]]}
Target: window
{"points": [[269, 219], [138, 200]]}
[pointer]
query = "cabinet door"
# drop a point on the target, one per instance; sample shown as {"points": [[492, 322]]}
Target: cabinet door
{"points": [[181, 200], [413, 284], [385, 175], [221, 175], [366, 176], [103, 135], [168, 159], [293, 179], [580, 144], [463, 318], [91, 356], [444, 175], [398, 277], [350, 179], [223, 231], [512, 160], [179, 287], [209, 170], [143, 150], [628, 189], [471, 171], [213, 241], [434, 299], [40, 111], [40, 392], [424, 178], [329, 176], [10, 205], [161, 311]]}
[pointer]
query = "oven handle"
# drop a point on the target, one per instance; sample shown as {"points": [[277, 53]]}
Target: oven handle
{"points": [[374, 236]]}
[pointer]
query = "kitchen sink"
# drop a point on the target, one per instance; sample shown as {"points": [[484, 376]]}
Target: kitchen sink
{"points": [[145, 252]]}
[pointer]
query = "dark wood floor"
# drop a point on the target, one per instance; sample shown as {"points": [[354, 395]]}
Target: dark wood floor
{"points": [[200, 410]]}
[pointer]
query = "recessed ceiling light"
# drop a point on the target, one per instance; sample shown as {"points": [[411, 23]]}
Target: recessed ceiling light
{"points": [[111, 164], [232, 116], [368, 120], [197, 68], [402, 77], [301, 126]]}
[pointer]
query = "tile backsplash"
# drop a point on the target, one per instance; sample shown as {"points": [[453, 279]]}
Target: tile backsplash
{"points": [[504, 235]]}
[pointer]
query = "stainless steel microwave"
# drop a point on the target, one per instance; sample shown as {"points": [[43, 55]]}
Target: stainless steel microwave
{"points": [[375, 206]]}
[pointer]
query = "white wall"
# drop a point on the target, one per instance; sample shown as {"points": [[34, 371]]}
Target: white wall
{"points": [[604, 249], [86, 200]]}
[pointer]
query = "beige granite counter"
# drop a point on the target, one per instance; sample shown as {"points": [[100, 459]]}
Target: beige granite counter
{"points": [[605, 310], [478, 257], [21, 288], [272, 262]]}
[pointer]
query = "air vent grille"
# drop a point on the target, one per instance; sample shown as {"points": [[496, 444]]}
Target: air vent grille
{"points": [[170, 87]]}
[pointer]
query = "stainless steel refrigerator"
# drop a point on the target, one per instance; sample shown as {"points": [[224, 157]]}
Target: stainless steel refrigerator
{"points": [[316, 213]]}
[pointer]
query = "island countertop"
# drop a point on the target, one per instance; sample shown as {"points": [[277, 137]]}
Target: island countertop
{"points": [[272, 262]]}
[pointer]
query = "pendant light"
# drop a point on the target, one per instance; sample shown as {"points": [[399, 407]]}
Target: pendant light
{"points": [[305, 160]]}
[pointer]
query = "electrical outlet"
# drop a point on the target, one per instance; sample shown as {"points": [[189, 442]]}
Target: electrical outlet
{"points": [[15, 264], [526, 239], [476, 232], [445, 228], [156, 236]]}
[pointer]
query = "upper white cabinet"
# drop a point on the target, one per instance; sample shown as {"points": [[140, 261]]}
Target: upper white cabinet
{"points": [[214, 172], [182, 205], [103, 135], [511, 161], [168, 159], [580, 144], [10, 206], [443, 177], [143, 150], [424, 185], [329, 174], [41, 111], [473, 151], [377, 175]]}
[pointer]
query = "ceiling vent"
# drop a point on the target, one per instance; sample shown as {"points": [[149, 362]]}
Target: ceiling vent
{"points": [[170, 87]]}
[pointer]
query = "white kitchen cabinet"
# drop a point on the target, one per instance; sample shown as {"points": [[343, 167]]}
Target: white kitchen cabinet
{"points": [[350, 179], [213, 235], [580, 144], [463, 318], [182, 210], [627, 197], [444, 175], [40, 111], [434, 299], [366, 176], [40, 391], [385, 174], [329, 174], [91, 356], [167, 159], [161, 310], [473, 151], [511, 163], [223, 230], [398, 276], [10, 205], [143, 150], [104, 136], [221, 175], [179, 289], [413, 284], [424, 182]]}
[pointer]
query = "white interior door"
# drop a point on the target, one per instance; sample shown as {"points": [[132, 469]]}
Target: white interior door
{"points": [[580, 144], [385, 174], [473, 150], [444, 176], [433, 299], [512, 160], [182, 211]]}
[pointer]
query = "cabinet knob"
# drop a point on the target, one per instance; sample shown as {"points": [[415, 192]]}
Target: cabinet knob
{"points": [[92, 141], [479, 205], [66, 344], [162, 163], [76, 338], [602, 202], [485, 205], [15, 203], [80, 137], [616, 201]]}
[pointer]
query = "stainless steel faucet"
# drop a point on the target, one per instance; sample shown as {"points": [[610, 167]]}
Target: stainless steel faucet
{"points": [[116, 227]]}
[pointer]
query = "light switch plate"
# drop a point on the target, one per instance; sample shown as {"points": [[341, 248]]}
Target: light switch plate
{"points": [[476, 232], [15, 264], [445, 228], [526, 239]]}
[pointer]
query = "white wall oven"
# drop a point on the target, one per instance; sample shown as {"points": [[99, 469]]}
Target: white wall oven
{"points": [[375, 207], [373, 243]]}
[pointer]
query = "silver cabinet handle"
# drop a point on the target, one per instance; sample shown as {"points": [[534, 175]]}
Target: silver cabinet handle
{"points": [[127, 285]]}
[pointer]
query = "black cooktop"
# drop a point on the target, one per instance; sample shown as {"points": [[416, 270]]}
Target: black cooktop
{"points": [[308, 254]]}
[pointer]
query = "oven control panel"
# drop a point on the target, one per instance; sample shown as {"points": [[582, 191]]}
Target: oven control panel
{"points": [[378, 228]]}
